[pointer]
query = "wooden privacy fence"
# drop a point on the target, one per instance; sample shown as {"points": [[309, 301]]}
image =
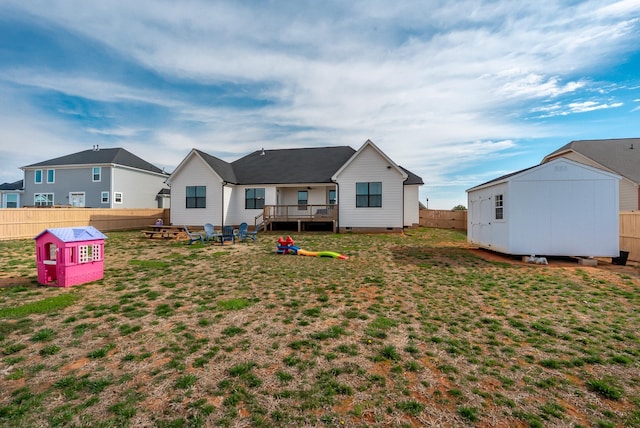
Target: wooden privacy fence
{"points": [[25, 223], [630, 234], [443, 219]]}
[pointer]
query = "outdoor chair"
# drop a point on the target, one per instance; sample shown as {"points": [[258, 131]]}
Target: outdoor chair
{"points": [[194, 236], [244, 233], [227, 235], [209, 232]]}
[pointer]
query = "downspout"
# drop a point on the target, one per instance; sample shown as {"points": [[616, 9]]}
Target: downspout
{"points": [[337, 203], [224, 183]]}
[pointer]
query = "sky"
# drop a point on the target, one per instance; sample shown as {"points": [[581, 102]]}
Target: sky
{"points": [[458, 92]]}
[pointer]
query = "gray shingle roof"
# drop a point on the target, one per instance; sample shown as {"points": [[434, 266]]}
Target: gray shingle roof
{"points": [[287, 166], [118, 156], [621, 156], [290, 166], [17, 185]]}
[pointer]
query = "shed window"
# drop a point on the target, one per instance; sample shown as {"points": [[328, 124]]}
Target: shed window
{"points": [[254, 198], [196, 197], [499, 207], [369, 195]]}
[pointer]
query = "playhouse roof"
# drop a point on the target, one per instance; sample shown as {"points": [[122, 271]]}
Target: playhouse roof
{"points": [[74, 234]]}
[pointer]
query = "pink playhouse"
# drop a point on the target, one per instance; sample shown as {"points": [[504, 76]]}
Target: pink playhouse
{"points": [[69, 256]]}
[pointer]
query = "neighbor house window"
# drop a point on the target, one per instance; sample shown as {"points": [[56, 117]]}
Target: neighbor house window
{"points": [[196, 196], [96, 173], [303, 199], [369, 194], [51, 176], [254, 199], [43, 199], [499, 207], [104, 197], [117, 197], [38, 176], [11, 200]]}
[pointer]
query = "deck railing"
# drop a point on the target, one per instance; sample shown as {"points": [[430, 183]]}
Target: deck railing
{"points": [[308, 212]]}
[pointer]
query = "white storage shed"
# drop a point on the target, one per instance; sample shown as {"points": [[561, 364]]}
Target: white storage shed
{"points": [[560, 208]]}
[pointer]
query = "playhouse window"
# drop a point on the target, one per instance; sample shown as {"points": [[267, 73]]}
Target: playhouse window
{"points": [[43, 199], [254, 199], [89, 253], [196, 197], [369, 194], [499, 207]]}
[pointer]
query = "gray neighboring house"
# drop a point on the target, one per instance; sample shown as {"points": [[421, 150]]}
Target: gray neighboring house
{"points": [[10, 194], [620, 156], [95, 178]]}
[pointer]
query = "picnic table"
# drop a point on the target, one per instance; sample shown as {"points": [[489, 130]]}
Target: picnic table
{"points": [[165, 231]]}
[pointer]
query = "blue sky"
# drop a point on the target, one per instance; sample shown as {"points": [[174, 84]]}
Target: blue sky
{"points": [[459, 92]]}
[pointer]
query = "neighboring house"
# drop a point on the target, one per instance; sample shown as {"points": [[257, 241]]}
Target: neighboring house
{"points": [[352, 190], [559, 208], [10, 194], [620, 156], [96, 178]]}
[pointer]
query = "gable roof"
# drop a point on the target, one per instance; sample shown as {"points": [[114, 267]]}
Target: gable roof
{"points": [[621, 156], [284, 166], [74, 234], [16, 185], [506, 177], [117, 156]]}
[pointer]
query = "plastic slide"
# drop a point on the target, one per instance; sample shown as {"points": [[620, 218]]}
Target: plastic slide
{"points": [[287, 247]]}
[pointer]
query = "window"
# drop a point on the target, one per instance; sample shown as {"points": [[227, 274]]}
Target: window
{"points": [[11, 200], [369, 194], [499, 207], [96, 173], [117, 197], [332, 197], [51, 176], [89, 253], [254, 199], [38, 176], [104, 197], [196, 196], [303, 199], [43, 199]]}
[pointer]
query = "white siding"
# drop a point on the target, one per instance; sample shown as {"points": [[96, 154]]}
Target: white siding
{"points": [[560, 208], [195, 172], [411, 205], [237, 213], [139, 189], [369, 166]]}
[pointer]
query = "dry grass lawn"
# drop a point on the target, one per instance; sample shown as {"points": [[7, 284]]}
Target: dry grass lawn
{"points": [[412, 330]]}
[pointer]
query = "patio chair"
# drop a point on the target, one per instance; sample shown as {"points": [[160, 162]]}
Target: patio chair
{"points": [[227, 235], [244, 233], [194, 236], [209, 232]]}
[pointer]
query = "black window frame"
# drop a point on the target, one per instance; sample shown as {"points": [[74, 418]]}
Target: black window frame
{"points": [[365, 198], [254, 198], [195, 197]]}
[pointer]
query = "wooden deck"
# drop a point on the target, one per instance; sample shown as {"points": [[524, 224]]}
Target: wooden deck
{"points": [[302, 215]]}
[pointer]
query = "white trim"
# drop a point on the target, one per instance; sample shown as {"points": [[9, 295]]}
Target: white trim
{"points": [[115, 198], [54, 175], [93, 180], [369, 143], [35, 177], [102, 199]]}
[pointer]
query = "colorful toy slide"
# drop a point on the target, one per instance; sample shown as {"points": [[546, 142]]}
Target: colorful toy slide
{"points": [[285, 246]]}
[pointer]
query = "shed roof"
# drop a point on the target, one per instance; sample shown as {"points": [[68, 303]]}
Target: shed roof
{"points": [[74, 234], [117, 156], [621, 155]]}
